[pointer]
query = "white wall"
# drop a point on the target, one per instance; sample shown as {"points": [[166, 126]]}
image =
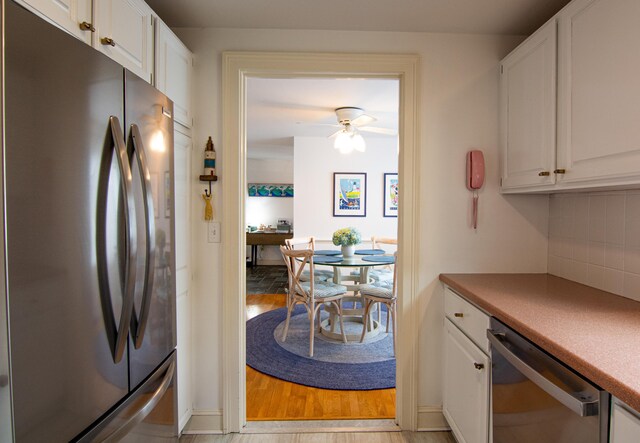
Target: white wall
{"points": [[459, 111], [594, 239], [268, 210], [315, 161]]}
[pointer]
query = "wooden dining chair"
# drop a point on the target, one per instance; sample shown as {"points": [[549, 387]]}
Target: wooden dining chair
{"points": [[312, 294], [308, 243], [384, 292]]}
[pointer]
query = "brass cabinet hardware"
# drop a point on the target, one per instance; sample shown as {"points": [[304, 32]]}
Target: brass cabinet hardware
{"points": [[544, 174], [107, 41], [478, 366], [560, 171], [458, 314], [86, 26]]}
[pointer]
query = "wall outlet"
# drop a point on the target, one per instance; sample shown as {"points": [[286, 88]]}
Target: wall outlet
{"points": [[213, 232]]}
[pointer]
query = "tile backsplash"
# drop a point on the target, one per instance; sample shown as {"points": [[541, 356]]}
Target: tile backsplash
{"points": [[594, 239]]}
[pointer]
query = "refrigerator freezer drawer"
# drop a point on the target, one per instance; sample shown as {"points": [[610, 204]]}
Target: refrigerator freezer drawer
{"points": [[149, 414]]}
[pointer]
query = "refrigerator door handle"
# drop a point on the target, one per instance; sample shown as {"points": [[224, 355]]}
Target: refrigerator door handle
{"points": [[139, 325], [118, 340], [144, 410]]}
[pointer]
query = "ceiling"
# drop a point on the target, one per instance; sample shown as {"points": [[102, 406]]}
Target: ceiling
{"points": [[507, 17], [279, 109]]}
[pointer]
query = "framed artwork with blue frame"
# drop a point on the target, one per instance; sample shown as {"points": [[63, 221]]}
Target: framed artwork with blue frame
{"points": [[390, 194], [349, 194]]}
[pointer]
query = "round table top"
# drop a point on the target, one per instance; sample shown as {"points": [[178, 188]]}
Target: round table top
{"points": [[355, 261]]}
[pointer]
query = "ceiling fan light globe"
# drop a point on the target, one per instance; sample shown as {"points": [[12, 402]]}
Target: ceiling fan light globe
{"points": [[342, 142], [358, 143]]}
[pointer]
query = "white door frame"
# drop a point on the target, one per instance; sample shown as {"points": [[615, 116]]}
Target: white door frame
{"points": [[237, 68]]}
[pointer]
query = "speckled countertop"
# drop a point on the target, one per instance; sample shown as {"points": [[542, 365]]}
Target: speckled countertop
{"points": [[594, 332]]}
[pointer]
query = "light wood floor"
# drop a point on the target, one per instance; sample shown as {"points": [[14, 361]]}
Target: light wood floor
{"points": [[360, 437], [269, 398]]}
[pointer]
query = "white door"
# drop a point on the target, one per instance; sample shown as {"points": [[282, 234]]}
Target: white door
{"points": [[528, 111], [174, 64], [67, 14], [182, 173], [124, 32], [466, 387], [599, 91]]}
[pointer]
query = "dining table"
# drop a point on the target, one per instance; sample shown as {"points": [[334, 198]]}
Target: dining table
{"points": [[363, 260]]}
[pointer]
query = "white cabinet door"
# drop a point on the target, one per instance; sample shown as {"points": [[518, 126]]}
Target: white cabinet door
{"points": [[528, 112], [599, 92], [67, 14], [182, 189], [174, 64], [466, 387], [124, 32], [625, 424]]}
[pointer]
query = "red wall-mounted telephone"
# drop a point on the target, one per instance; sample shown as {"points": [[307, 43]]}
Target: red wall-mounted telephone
{"points": [[475, 179]]}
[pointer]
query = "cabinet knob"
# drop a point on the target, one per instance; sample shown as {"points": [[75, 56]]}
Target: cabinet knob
{"points": [[458, 314], [4, 381], [107, 41], [560, 171], [478, 366], [86, 26], [544, 174]]}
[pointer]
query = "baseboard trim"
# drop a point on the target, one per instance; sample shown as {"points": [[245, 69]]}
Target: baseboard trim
{"points": [[430, 418], [204, 422]]}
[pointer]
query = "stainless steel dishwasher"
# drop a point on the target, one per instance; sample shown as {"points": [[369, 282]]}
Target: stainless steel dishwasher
{"points": [[536, 398]]}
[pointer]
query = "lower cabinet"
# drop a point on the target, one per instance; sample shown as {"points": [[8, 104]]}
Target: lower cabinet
{"points": [[467, 372], [625, 423]]}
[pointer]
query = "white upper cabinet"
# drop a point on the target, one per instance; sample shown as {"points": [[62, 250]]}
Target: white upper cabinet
{"points": [[124, 32], [597, 144], [66, 14], [599, 92], [174, 64], [528, 111]]}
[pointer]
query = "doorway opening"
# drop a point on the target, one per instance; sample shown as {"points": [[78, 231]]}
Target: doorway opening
{"points": [[238, 67], [305, 180]]}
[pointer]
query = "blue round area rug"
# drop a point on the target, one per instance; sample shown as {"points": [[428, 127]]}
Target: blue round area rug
{"points": [[335, 365]]}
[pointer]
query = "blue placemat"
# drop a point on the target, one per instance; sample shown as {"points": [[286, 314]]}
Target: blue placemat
{"points": [[326, 259], [370, 251], [379, 258], [327, 252]]}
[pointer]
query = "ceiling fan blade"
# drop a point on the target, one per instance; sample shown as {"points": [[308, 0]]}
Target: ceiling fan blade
{"points": [[363, 120], [375, 130], [318, 124], [336, 133]]}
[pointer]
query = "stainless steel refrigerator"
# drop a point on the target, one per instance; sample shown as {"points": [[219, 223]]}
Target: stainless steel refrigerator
{"points": [[90, 268]]}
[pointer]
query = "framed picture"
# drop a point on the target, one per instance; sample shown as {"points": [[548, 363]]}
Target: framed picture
{"points": [[390, 195], [349, 194], [270, 190]]}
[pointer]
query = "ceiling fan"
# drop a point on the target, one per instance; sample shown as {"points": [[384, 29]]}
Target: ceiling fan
{"points": [[351, 121]]}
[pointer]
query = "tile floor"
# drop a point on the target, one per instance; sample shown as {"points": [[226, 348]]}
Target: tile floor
{"points": [[266, 280]]}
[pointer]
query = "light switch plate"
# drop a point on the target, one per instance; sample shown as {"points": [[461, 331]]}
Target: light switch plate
{"points": [[213, 232]]}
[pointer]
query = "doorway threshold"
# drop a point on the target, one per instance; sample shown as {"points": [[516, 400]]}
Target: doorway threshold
{"points": [[314, 426]]}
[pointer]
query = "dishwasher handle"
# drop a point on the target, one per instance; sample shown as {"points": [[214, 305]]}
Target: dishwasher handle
{"points": [[568, 399]]}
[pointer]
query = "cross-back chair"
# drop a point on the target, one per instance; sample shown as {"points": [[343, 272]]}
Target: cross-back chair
{"points": [[312, 294], [308, 243], [384, 292]]}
